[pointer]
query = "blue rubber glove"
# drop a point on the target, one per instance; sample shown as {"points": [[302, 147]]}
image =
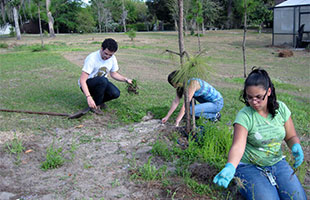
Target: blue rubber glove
{"points": [[298, 154], [225, 176]]}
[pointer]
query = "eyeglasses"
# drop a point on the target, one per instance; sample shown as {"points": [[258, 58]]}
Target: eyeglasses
{"points": [[258, 98]]}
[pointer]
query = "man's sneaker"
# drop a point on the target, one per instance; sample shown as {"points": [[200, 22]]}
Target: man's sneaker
{"points": [[103, 106], [97, 111]]}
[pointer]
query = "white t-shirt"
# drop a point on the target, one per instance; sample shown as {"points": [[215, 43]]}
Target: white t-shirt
{"points": [[95, 66]]}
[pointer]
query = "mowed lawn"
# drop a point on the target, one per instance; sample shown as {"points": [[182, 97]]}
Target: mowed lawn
{"points": [[47, 80]]}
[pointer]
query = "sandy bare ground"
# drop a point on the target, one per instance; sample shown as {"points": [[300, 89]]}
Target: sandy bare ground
{"points": [[99, 169]]}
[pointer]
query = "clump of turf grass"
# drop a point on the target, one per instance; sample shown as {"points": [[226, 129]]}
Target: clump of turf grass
{"points": [[133, 87], [54, 158]]}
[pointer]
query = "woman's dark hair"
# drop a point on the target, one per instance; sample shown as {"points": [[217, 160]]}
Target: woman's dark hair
{"points": [[110, 44], [179, 90], [259, 77]]}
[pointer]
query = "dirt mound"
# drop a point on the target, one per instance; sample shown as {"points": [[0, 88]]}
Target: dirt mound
{"points": [[285, 53]]}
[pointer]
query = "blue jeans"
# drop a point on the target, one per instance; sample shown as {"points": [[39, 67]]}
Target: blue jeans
{"points": [[207, 110], [256, 184], [102, 90]]}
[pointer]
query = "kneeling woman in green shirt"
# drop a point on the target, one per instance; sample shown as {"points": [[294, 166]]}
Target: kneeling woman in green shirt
{"points": [[255, 156]]}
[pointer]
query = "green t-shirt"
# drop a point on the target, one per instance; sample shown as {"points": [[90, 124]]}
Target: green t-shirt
{"points": [[265, 135]]}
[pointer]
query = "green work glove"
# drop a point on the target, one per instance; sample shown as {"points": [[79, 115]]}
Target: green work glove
{"points": [[225, 176], [298, 154]]}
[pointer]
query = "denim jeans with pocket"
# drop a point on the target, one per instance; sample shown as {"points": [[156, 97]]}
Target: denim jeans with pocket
{"points": [[208, 110], [102, 90], [271, 182]]}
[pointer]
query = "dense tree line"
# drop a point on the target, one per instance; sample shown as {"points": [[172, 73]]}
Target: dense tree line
{"points": [[67, 16]]}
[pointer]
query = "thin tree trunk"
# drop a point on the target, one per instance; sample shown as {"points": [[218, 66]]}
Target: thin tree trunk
{"points": [[181, 49], [3, 11], [17, 29], [41, 35], [185, 26], [50, 19], [175, 24], [203, 28], [199, 46], [180, 33], [21, 23], [244, 39], [229, 14], [124, 16], [193, 114], [99, 20]]}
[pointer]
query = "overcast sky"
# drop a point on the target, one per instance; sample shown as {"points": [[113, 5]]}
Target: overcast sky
{"points": [[85, 1]]}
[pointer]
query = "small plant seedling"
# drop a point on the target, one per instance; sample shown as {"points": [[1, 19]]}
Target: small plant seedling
{"points": [[54, 158], [131, 34], [133, 88], [15, 147], [115, 183]]}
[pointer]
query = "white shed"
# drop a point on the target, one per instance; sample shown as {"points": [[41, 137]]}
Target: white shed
{"points": [[288, 18], [5, 29]]}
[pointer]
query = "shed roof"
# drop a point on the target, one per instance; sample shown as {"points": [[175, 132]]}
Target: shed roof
{"points": [[290, 3]]}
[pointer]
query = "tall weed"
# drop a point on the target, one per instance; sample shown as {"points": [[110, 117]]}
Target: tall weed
{"points": [[15, 147]]}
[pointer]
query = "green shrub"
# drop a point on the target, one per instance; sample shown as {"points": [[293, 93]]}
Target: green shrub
{"points": [[131, 34], [138, 26], [4, 45], [12, 31]]}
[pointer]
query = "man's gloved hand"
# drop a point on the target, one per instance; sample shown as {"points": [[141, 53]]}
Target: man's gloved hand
{"points": [[298, 154], [225, 176]]}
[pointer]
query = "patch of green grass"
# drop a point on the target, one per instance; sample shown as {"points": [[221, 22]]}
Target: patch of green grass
{"points": [[214, 144], [148, 100], [136, 47], [96, 42], [38, 48], [54, 158], [4, 45], [198, 188], [277, 84], [56, 46], [161, 149], [149, 172], [300, 110], [285, 86], [41, 81], [235, 80], [15, 147], [85, 139]]}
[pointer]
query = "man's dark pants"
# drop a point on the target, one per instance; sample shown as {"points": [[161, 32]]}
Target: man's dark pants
{"points": [[102, 90]]}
